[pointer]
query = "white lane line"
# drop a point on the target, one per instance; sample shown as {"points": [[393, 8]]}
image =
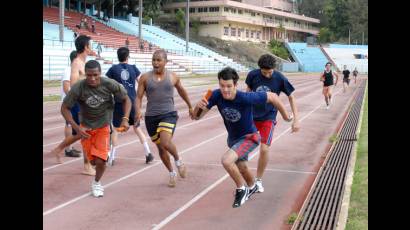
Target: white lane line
{"points": [[220, 166], [51, 143]]}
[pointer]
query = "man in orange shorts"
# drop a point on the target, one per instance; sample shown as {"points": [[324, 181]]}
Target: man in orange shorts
{"points": [[95, 97]]}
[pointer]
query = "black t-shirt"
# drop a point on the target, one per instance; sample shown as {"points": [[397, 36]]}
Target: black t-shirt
{"points": [[346, 73]]}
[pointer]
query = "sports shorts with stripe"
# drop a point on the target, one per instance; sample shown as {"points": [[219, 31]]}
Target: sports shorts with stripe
{"points": [[245, 145], [265, 129], [164, 122]]}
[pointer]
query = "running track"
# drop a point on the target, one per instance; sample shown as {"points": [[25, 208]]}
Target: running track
{"points": [[137, 197]]}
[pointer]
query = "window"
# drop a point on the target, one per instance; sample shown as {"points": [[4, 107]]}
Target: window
{"points": [[233, 11], [258, 33], [226, 31], [239, 32], [233, 32], [240, 12], [167, 11], [247, 33], [213, 9], [226, 9], [252, 32], [191, 10], [252, 14], [200, 10], [205, 9]]}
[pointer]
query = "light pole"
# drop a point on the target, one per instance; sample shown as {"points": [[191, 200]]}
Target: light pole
{"points": [[187, 25], [140, 19], [61, 16]]}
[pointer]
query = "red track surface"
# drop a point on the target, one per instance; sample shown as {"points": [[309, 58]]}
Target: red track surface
{"points": [[137, 197]]}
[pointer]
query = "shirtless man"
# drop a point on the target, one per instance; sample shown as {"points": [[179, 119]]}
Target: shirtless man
{"points": [[83, 48]]}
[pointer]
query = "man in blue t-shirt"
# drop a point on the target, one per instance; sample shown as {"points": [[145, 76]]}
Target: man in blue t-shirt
{"points": [[267, 79], [236, 110], [127, 75]]}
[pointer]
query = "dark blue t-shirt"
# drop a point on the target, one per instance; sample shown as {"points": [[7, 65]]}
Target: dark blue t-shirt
{"points": [[237, 113], [126, 75], [277, 84]]}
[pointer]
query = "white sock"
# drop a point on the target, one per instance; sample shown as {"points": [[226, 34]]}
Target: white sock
{"points": [[242, 187], [173, 173], [113, 151], [68, 148], [178, 163], [146, 148]]}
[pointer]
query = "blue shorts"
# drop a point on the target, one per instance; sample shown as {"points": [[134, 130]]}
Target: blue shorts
{"points": [[119, 114], [245, 145], [74, 113], [164, 122]]}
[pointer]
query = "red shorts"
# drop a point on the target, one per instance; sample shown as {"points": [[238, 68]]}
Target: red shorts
{"points": [[265, 129], [245, 145], [98, 145]]}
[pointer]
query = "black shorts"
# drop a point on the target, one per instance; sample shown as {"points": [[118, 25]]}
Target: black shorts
{"points": [[74, 113], [347, 80], [164, 122], [119, 114]]}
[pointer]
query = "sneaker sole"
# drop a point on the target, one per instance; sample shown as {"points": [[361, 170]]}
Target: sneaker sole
{"points": [[243, 200], [88, 173], [182, 173]]}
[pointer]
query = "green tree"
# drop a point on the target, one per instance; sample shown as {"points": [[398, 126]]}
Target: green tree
{"points": [[338, 16], [180, 18], [325, 35], [195, 26], [278, 49]]}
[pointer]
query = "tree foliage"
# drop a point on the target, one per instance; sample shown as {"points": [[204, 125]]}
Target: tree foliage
{"points": [[337, 17], [278, 49]]}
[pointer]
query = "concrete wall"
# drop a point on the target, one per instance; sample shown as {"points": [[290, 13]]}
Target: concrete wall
{"points": [[290, 67]]}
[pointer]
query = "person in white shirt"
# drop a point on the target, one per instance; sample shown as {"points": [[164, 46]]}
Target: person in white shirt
{"points": [[65, 87]]}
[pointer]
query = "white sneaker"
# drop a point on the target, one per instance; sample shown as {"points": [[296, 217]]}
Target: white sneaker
{"points": [[97, 189], [327, 106], [172, 180], [258, 183]]}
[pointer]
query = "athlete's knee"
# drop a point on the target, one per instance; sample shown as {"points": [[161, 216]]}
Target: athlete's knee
{"points": [[165, 144], [264, 150], [161, 150], [99, 162], [226, 162]]}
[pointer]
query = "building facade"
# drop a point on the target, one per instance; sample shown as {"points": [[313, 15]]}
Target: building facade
{"points": [[247, 20]]}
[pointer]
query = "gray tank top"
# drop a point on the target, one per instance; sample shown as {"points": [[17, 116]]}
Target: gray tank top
{"points": [[160, 95]]}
